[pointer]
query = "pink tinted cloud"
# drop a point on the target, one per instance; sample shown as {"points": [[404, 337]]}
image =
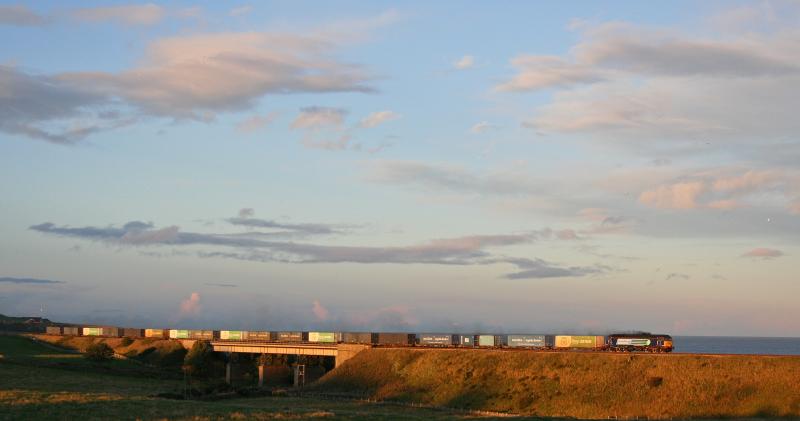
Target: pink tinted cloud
{"points": [[683, 195], [191, 305], [763, 253], [320, 312]]}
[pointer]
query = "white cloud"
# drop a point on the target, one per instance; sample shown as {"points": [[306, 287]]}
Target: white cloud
{"points": [[130, 14], [465, 62], [377, 118]]}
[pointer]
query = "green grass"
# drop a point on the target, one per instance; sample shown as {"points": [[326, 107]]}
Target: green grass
{"points": [[76, 389]]}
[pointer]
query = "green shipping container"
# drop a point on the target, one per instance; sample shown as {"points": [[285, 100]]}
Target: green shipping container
{"points": [[179, 334], [321, 337], [92, 331], [232, 335]]}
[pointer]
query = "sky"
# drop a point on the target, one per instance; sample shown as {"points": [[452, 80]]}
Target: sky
{"points": [[529, 167]]}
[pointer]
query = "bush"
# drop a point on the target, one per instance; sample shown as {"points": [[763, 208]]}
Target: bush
{"points": [[126, 341], [99, 351], [199, 360]]}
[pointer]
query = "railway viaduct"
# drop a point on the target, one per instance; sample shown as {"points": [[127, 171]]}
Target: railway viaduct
{"points": [[340, 352]]}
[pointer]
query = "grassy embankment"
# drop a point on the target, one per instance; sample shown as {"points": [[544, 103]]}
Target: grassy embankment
{"points": [[157, 352], [42, 383], [581, 385]]}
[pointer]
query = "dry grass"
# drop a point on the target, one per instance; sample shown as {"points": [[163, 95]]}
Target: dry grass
{"points": [[581, 385], [159, 352]]}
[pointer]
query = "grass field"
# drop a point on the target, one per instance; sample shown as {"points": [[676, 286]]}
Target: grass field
{"points": [[39, 383], [581, 385]]}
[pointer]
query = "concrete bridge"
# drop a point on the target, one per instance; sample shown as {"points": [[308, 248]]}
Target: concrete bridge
{"points": [[340, 352]]}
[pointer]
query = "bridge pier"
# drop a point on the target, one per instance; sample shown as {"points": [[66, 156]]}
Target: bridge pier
{"points": [[228, 372]]}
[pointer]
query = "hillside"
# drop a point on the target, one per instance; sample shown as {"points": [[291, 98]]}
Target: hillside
{"points": [[581, 385], [159, 352], [38, 382]]}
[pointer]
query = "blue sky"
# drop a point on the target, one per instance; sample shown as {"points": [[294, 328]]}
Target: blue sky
{"points": [[530, 167]]}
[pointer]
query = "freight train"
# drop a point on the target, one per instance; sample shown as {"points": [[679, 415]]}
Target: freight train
{"points": [[622, 342]]}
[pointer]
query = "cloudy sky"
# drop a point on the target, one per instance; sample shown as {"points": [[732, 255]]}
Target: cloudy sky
{"points": [[529, 167]]}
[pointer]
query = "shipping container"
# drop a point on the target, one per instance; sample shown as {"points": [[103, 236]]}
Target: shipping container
{"points": [[289, 337], [489, 340], [53, 330], [404, 339], [132, 332], [234, 335], [527, 341], [101, 331], [464, 340], [178, 334], [435, 339], [205, 335], [259, 335], [72, 330], [322, 337], [357, 337], [156, 333], [584, 342]]}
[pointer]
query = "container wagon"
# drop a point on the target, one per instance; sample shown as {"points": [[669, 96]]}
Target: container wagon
{"points": [[72, 330], [394, 339], [529, 341], [323, 337], [357, 337], [580, 342], [205, 335], [435, 339], [157, 333], [490, 341], [464, 340], [108, 331], [258, 335], [290, 336], [53, 330], [234, 335], [129, 332]]}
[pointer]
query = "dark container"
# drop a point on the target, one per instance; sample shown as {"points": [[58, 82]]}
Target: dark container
{"points": [[260, 336], [129, 332], [528, 341], [357, 337], [464, 340], [435, 339], [403, 339], [53, 330], [289, 336], [72, 330], [205, 335]]}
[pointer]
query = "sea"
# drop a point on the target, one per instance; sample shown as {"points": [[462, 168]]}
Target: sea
{"points": [[737, 345]]}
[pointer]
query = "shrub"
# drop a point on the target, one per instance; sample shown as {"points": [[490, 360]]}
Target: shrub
{"points": [[99, 351], [126, 341], [200, 359]]}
